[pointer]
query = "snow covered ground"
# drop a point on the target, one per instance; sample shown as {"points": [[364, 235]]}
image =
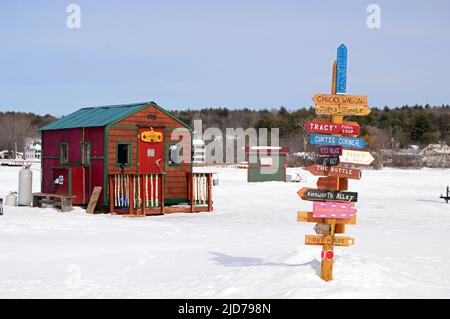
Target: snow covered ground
{"points": [[250, 247]]}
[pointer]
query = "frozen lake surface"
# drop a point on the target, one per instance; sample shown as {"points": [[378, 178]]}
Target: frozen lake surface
{"points": [[250, 247]]}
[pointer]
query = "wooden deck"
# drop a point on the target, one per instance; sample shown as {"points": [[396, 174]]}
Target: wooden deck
{"points": [[139, 195]]}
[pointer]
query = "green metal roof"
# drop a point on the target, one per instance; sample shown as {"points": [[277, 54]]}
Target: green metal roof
{"points": [[102, 116]]}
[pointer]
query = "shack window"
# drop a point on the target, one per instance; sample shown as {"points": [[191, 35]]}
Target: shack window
{"points": [[86, 160], [63, 153], [175, 154], [123, 154]]}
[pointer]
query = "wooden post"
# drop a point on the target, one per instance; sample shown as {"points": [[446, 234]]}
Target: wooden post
{"points": [[143, 197], [163, 182], [334, 216], [131, 199], [326, 271], [337, 119], [93, 200], [111, 194], [191, 183], [209, 192]]}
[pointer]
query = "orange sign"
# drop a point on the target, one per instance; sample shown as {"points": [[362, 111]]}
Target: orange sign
{"points": [[332, 183], [308, 217], [322, 170], [336, 241]]}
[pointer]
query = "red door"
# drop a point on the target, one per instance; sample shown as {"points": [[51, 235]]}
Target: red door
{"points": [[151, 150]]}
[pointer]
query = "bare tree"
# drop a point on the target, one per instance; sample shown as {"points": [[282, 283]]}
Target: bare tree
{"points": [[14, 128]]}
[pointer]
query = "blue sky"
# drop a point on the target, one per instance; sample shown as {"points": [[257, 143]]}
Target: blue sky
{"points": [[229, 53]]}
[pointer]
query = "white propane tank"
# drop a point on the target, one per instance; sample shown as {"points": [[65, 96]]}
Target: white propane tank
{"points": [[11, 199], [25, 186]]}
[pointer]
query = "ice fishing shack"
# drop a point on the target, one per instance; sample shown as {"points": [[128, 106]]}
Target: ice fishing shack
{"points": [[140, 154], [266, 163]]}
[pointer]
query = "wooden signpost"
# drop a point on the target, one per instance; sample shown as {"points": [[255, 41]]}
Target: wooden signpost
{"points": [[308, 217], [330, 150], [329, 160], [356, 157], [321, 170], [324, 195], [325, 127], [320, 240], [331, 183], [333, 208], [344, 141], [340, 99]]}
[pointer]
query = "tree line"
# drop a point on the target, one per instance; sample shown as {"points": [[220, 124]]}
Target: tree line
{"points": [[15, 127], [385, 128]]}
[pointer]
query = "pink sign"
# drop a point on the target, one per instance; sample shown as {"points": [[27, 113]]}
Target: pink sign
{"points": [[333, 210]]}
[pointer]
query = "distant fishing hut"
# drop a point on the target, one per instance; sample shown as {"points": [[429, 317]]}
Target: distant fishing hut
{"points": [[266, 163]]}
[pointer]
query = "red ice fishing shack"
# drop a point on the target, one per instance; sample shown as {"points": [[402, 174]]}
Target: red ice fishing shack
{"points": [[140, 154]]}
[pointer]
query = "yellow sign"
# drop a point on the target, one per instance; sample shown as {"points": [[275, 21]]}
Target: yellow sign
{"points": [[151, 137], [341, 104], [340, 99], [336, 241], [342, 110], [307, 217]]}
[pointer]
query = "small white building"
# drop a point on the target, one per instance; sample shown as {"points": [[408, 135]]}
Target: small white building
{"points": [[33, 152], [436, 155], [199, 151]]}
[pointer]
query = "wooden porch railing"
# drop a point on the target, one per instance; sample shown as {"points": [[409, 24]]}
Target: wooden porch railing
{"points": [[136, 194], [143, 194], [200, 191]]}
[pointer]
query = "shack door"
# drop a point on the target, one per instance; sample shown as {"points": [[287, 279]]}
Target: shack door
{"points": [[151, 151]]}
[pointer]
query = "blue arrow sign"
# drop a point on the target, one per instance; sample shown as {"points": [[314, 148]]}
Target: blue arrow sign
{"points": [[343, 141], [341, 69]]}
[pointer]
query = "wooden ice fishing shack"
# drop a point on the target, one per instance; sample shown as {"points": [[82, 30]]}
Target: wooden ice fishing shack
{"points": [[140, 154]]}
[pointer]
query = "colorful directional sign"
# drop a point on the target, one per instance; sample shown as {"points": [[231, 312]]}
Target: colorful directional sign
{"points": [[331, 183], [333, 206], [326, 127], [322, 170], [342, 110], [323, 195], [341, 100], [336, 241], [344, 141], [307, 217], [341, 104], [329, 160], [356, 157], [330, 150], [333, 210]]}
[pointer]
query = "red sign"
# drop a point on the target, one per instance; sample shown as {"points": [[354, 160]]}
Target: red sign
{"points": [[330, 150], [324, 127]]}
